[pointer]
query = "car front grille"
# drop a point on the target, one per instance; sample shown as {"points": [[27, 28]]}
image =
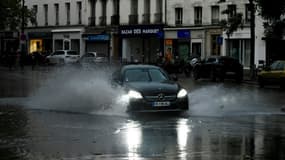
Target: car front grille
{"points": [[159, 98]]}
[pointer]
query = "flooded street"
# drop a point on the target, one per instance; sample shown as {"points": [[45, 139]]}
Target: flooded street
{"points": [[69, 116]]}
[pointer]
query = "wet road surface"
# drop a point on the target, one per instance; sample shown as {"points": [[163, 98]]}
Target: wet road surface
{"points": [[225, 121]]}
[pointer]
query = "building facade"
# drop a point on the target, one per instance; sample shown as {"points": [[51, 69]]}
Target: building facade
{"points": [[130, 30], [194, 29], [122, 29]]}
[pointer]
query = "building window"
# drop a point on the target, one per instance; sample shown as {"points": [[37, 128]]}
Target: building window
{"points": [[215, 14], [46, 14], [146, 15], [232, 10], [134, 7], [35, 10], [198, 15], [67, 7], [56, 9], [178, 16], [79, 12], [133, 18], [247, 13]]}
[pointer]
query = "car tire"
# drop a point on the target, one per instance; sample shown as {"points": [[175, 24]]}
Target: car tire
{"points": [[213, 75], [260, 82], [282, 83], [195, 74]]}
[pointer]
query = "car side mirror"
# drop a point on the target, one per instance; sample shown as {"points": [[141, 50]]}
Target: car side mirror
{"points": [[174, 78]]}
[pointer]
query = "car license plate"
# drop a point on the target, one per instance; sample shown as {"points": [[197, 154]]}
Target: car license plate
{"points": [[161, 104]]}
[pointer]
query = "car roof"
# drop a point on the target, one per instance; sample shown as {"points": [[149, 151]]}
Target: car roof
{"points": [[134, 66]]}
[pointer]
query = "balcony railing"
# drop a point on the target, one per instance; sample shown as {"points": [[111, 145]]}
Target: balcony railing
{"points": [[198, 21], [158, 18], [115, 20], [146, 18], [133, 19], [92, 21], [102, 20], [215, 21]]}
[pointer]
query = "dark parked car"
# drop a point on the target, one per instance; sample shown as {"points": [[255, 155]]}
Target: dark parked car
{"points": [[150, 88], [218, 67]]}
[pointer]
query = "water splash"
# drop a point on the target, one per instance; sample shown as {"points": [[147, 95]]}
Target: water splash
{"points": [[74, 90]]}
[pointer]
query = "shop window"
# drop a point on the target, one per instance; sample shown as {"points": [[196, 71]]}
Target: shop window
{"points": [[36, 45]]}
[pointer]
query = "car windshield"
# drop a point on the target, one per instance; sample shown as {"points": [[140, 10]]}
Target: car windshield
{"points": [[89, 55], [58, 53], [144, 75], [72, 53], [101, 55]]}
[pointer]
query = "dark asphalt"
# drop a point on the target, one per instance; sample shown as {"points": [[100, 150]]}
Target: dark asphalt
{"points": [[55, 114]]}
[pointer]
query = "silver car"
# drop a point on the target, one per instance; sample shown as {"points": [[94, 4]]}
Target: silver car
{"points": [[63, 57]]}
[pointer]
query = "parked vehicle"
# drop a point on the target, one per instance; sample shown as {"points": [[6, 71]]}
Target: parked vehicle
{"points": [[63, 57], [218, 67], [150, 88], [273, 74], [92, 59]]}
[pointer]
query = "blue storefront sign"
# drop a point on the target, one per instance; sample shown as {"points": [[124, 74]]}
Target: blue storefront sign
{"points": [[183, 34], [97, 37], [141, 31]]}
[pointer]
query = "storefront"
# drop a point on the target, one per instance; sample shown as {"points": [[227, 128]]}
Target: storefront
{"points": [[39, 42], [97, 43], [67, 39], [141, 43], [178, 43], [9, 42]]}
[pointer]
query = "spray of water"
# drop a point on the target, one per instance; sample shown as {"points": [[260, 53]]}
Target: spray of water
{"points": [[217, 100], [82, 91]]}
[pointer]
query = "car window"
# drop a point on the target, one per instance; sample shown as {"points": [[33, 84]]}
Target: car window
{"points": [[58, 53], [89, 55], [137, 75], [157, 76], [280, 66], [72, 53], [101, 55], [210, 60], [274, 65]]}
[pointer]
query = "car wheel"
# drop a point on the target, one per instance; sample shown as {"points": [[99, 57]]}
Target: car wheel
{"points": [[260, 82], [282, 83], [239, 78], [195, 75], [212, 76]]}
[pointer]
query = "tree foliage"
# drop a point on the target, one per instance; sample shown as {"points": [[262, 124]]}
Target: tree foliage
{"points": [[232, 23], [11, 14], [273, 13]]}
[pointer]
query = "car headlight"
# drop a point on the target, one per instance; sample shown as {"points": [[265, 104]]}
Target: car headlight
{"points": [[135, 94], [182, 93]]}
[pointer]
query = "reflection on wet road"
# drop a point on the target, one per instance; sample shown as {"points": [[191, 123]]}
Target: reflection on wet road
{"points": [[38, 134], [71, 122]]}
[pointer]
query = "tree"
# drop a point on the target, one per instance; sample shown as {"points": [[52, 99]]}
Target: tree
{"points": [[272, 12], [233, 23], [11, 15]]}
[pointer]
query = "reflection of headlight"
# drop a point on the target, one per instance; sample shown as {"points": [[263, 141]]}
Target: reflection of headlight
{"points": [[134, 94], [182, 93]]}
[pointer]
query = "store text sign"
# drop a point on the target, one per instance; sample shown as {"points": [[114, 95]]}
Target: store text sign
{"points": [[139, 31]]}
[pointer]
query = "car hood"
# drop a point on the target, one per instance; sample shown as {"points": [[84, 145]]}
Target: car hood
{"points": [[154, 88]]}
